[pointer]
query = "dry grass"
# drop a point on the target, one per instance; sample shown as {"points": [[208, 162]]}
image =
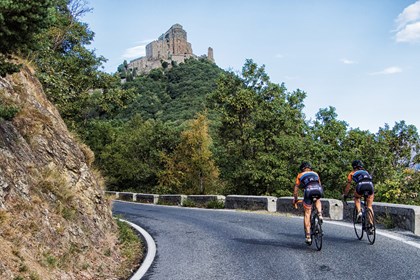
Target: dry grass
{"points": [[52, 181]]}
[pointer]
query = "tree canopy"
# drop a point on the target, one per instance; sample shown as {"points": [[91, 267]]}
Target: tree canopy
{"points": [[20, 22]]}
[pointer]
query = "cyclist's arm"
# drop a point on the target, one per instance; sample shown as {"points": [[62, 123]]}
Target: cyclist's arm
{"points": [[295, 193], [347, 188]]}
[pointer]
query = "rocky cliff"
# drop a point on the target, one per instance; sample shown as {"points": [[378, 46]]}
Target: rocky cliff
{"points": [[55, 222]]}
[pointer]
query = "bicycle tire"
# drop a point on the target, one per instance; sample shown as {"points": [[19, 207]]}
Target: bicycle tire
{"points": [[370, 225], [317, 234], [358, 227]]}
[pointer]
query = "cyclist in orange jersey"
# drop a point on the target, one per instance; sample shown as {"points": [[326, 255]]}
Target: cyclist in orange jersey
{"points": [[363, 181], [309, 181]]}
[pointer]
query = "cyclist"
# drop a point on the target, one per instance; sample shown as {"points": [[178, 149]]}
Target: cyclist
{"points": [[363, 181], [311, 184]]}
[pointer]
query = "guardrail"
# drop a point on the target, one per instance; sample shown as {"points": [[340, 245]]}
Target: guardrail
{"points": [[391, 215], [405, 217]]}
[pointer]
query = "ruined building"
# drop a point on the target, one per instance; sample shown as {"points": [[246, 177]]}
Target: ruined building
{"points": [[172, 46]]}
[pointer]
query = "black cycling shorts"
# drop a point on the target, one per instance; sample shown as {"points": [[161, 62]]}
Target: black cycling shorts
{"points": [[311, 191], [362, 187]]}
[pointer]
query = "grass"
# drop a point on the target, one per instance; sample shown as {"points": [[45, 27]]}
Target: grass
{"points": [[50, 261], [386, 220], [131, 247], [188, 203], [215, 204], [4, 216]]}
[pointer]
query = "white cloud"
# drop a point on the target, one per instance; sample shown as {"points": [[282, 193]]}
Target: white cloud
{"points": [[144, 42], [408, 24], [137, 51], [409, 15], [347, 61], [388, 71], [410, 33]]}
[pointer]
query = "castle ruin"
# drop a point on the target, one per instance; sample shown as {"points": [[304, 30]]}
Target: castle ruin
{"points": [[172, 46]]}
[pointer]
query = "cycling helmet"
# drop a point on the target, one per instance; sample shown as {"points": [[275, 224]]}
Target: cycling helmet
{"points": [[357, 163], [305, 165]]}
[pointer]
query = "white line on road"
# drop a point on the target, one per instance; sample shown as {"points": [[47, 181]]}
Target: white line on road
{"points": [[151, 252], [380, 232]]}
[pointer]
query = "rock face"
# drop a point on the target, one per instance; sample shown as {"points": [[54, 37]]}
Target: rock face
{"points": [[55, 222], [172, 46]]}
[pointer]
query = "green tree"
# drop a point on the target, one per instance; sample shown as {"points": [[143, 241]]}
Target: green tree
{"points": [[190, 169], [260, 133], [327, 135], [20, 22], [132, 158], [66, 68], [403, 141]]}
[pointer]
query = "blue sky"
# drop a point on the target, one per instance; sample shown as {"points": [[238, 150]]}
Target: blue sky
{"points": [[361, 57]]}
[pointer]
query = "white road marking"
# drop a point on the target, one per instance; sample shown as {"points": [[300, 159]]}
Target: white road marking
{"points": [[151, 252]]}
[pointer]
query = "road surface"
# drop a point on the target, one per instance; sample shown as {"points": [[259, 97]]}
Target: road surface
{"points": [[205, 244]]}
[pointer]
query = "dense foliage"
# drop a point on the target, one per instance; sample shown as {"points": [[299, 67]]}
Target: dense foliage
{"points": [[20, 21], [194, 128]]}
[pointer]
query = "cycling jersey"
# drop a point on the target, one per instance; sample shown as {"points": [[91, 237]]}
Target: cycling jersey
{"points": [[363, 181], [309, 181]]}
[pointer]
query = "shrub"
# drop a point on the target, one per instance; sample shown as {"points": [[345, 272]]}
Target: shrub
{"points": [[215, 204], [8, 112]]}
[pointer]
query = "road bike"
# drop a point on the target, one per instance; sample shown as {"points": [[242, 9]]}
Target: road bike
{"points": [[316, 225], [367, 224]]}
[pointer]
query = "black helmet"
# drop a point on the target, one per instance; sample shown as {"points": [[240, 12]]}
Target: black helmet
{"points": [[357, 163], [305, 165]]}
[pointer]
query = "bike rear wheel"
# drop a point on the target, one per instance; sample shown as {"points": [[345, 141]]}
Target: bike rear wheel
{"points": [[358, 226], [317, 233], [370, 226]]}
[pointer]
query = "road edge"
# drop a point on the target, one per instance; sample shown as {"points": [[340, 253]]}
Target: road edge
{"points": [[151, 251]]}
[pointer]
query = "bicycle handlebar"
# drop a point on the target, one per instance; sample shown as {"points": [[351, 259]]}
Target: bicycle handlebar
{"points": [[296, 203], [347, 197]]}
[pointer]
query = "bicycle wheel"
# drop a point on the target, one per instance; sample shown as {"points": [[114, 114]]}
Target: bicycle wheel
{"points": [[370, 226], [317, 233], [358, 227]]}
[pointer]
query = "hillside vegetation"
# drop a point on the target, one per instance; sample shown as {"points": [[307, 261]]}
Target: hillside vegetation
{"points": [[196, 128], [55, 221]]}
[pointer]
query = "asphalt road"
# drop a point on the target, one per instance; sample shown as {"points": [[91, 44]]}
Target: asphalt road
{"points": [[205, 244]]}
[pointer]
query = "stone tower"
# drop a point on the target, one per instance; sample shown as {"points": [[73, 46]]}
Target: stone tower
{"points": [[210, 54]]}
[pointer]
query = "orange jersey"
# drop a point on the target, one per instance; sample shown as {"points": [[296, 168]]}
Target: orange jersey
{"points": [[304, 174], [350, 176]]}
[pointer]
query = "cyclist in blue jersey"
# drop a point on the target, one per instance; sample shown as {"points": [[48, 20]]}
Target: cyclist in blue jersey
{"points": [[309, 181], [363, 181]]}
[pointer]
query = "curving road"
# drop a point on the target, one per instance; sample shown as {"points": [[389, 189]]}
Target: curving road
{"points": [[205, 244]]}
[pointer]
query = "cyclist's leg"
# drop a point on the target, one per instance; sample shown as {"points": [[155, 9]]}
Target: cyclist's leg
{"points": [[319, 208], [357, 201], [307, 205], [357, 197], [307, 221], [369, 202]]}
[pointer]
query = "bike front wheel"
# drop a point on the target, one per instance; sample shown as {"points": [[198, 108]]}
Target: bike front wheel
{"points": [[358, 225], [370, 226]]}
